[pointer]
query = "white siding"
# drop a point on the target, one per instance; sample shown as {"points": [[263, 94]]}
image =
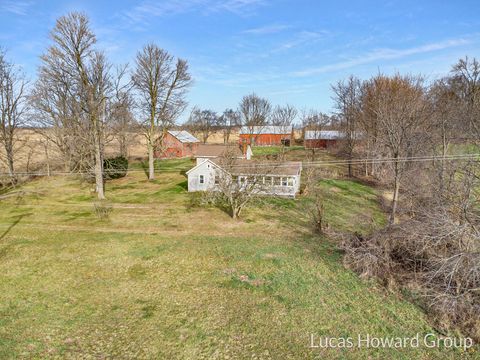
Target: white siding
{"points": [[207, 170], [274, 187]]}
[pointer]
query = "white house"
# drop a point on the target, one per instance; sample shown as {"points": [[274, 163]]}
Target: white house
{"points": [[215, 151], [282, 179]]}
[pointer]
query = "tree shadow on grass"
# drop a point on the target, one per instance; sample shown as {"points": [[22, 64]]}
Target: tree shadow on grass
{"points": [[12, 225], [4, 249], [144, 166]]}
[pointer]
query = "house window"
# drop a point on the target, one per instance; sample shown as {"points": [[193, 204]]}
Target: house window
{"points": [[217, 180], [284, 181], [202, 179], [290, 181], [268, 180], [277, 181]]}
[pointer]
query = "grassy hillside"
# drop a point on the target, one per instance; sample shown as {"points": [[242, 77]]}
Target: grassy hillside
{"points": [[162, 279]]}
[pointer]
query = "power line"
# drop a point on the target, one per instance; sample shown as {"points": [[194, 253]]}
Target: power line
{"points": [[275, 165]]}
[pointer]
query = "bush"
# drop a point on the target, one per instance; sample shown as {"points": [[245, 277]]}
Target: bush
{"points": [[434, 253], [201, 199], [115, 168]]}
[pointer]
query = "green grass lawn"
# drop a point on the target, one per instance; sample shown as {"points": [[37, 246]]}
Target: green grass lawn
{"points": [[160, 279], [272, 150]]}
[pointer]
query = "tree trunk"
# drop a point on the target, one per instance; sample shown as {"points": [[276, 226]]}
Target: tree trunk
{"points": [[99, 184], [11, 168], [442, 165], [123, 145], [396, 190], [99, 170], [151, 163], [47, 158]]}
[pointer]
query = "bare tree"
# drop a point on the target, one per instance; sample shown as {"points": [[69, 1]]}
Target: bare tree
{"points": [[161, 84], [347, 102], [202, 122], [237, 183], [402, 110], [283, 115], [122, 121], [80, 78], [313, 120], [368, 125], [228, 120], [57, 106], [13, 106], [466, 85], [255, 112], [446, 110]]}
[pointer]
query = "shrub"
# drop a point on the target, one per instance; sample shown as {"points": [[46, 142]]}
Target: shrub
{"points": [[115, 168], [434, 253], [201, 199]]}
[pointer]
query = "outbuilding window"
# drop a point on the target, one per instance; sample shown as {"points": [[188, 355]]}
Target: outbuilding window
{"points": [[201, 179]]}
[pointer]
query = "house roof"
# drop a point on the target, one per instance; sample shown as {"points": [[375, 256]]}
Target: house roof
{"points": [[268, 129], [207, 161], [205, 150], [323, 135], [183, 136], [251, 167]]}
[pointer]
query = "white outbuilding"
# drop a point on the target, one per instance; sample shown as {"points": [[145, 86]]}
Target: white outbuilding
{"points": [[280, 179]]}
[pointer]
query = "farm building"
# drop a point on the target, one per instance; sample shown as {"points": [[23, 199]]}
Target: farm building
{"points": [[266, 135], [321, 139], [178, 144], [279, 179], [205, 152]]}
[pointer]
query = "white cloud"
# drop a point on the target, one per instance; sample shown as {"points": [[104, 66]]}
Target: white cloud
{"points": [[267, 29], [382, 54], [15, 7], [302, 38], [148, 9], [237, 6]]}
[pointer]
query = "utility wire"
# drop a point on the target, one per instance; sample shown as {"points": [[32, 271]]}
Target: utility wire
{"points": [[274, 165]]}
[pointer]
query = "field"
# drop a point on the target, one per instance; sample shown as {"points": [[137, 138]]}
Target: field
{"points": [[162, 278]]}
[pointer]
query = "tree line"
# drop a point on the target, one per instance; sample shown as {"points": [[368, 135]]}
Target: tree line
{"points": [[428, 134], [81, 101], [404, 116]]}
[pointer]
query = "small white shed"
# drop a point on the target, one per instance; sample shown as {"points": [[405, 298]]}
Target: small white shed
{"points": [[282, 179]]}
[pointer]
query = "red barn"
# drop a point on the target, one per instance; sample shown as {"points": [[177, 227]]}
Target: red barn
{"points": [[178, 144], [321, 139], [266, 135]]}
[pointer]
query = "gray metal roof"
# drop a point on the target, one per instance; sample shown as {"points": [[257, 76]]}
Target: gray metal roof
{"points": [[323, 135], [267, 129], [251, 167], [183, 136]]}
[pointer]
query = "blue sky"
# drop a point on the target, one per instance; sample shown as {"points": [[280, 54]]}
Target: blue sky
{"points": [[288, 51]]}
